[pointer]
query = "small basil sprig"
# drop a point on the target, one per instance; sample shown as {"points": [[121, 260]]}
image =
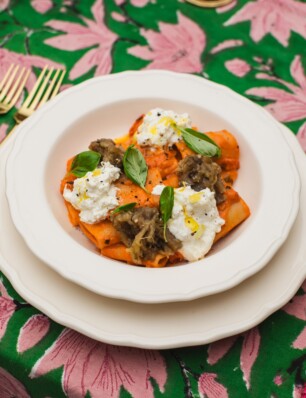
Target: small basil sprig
{"points": [[84, 162], [166, 202], [200, 142], [135, 167], [126, 207]]}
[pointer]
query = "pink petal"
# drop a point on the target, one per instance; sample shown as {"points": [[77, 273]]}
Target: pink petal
{"points": [[210, 388], [4, 4], [141, 52], [7, 309], [297, 72], [72, 42], [304, 286], [217, 350], [277, 17], [98, 12], [84, 64], [249, 354], [104, 61], [68, 27], [11, 387], [301, 136], [102, 369], [300, 341], [278, 380], [32, 332], [227, 7], [119, 2], [118, 17], [41, 6], [177, 47], [3, 131], [225, 45], [238, 67], [297, 307], [297, 392], [139, 3], [3, 291], [288, 111]]}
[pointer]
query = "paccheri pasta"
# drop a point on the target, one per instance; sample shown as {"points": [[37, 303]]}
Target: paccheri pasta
{"points": [[160, 195]]}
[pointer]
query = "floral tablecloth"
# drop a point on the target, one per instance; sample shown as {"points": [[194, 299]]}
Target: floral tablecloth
{"points": [[257, 48]]}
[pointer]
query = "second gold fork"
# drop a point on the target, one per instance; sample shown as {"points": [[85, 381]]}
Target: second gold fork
{"points": [[44, 89]]}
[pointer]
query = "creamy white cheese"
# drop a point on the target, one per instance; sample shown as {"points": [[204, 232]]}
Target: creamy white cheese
{"points": [[158, 127], [94, 194], [195, 220]]}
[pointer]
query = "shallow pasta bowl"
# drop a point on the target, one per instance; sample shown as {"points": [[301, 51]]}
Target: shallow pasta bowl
{"points": [[106, 107]]}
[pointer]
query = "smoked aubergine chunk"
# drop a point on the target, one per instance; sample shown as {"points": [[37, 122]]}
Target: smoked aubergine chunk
{"points": [[109, 151], [141, 230], [201, 172]]}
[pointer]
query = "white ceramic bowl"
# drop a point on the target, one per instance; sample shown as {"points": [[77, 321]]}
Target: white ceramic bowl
{"points": [[106, 107]]}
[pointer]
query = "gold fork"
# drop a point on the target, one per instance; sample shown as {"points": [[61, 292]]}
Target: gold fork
{"points": [[44, 89], [11, 89]]}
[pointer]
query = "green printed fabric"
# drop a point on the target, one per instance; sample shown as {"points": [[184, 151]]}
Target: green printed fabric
{"points": [[257, 48]]}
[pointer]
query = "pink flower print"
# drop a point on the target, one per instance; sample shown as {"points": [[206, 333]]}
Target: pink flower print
{"points": [[300, 341], [227, 7], [299, 391], [102, 369], [225, 45], [32, 332], [7, 309], [3, 131], [278, 380], [210, 388], [249, 354], [11, 387], [217, 350], [118, 17], [78, 36], [301, 136], [277, 17], [4, 4], [41, 6], [238, 67], [290, 104], [9, 57], [135, 3], [297, 307], [176, 47], [139, 3]]}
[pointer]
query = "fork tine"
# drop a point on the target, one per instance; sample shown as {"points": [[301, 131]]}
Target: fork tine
{"points": [[13, 89], [8, 83], [41, 90], [49, 89], [6, 76], [57, 87], [34, 89], [21, 87]]}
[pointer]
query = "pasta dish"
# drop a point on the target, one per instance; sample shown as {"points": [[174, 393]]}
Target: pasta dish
{"points": [[160, 195]]}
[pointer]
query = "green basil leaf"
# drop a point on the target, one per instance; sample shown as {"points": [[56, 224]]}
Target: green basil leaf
{"points": [[166, 202], [135, 167], [200, 142], [84, 162], [126, 207]]}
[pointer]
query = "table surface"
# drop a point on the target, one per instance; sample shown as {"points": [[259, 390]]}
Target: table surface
{"points": [[255, 47]]}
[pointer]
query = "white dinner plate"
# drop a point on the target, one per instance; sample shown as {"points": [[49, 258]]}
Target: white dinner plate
{"points": [[156, 325], [106, 107]]}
